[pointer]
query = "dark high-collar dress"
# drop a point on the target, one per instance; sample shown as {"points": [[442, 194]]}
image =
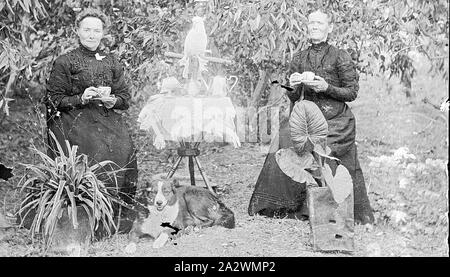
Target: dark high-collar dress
{"points": [[277, 194], [100, 133]]}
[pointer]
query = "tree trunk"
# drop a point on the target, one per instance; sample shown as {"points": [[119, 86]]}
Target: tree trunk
{"points": [[4, 106], [406, 82], [264, 76]]}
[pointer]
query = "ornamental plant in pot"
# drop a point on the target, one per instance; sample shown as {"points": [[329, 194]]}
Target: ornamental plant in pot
{"points": [[329, 192], [65, 198]]}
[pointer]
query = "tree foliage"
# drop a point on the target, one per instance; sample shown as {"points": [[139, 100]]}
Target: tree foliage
{"points": [[379, 34], [17, 48], [258, 36]]}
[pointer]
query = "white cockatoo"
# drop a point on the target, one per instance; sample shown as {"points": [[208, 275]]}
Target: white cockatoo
{"points": [[195, 46], [196, 39]]}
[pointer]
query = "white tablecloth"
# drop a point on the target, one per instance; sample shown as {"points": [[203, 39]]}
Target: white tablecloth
{"points": [[189, 119]]}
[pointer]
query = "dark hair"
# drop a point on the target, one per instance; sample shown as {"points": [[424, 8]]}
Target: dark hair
{"points": [[90, 12]]}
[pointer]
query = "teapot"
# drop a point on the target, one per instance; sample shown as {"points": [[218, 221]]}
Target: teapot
{"points": [[220, 86]]}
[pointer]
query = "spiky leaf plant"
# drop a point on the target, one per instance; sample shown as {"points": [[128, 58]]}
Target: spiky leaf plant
{"points": [[63, 184]]}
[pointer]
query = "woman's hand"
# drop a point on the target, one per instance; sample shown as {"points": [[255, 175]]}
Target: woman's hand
{"points": [[295, 79], [109, 102], [318, 84], [88, 94]]}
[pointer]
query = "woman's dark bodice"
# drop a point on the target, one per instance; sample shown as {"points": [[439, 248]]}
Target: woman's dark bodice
{"points": [[337, 68], [97, 131], [79, 69]]}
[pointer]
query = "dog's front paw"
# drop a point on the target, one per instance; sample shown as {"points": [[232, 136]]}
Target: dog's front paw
{"points": [[161, 240], [131, 248]]}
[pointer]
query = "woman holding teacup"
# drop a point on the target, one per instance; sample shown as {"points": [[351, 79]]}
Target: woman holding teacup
{"points": [[84, 89], [329, 79]]}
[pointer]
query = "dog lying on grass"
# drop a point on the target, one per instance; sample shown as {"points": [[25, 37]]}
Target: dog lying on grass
{"points": [[173, 208]]}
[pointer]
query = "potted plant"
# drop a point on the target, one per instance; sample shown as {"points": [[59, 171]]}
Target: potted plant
{"points": [[66, 196], [329, 192]]}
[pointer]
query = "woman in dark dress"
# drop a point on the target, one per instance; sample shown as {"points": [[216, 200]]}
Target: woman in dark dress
{"points": [[77, 114], [336, 82]]}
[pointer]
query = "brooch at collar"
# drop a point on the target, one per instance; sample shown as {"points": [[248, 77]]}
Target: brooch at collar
{"points": [[98, 57]]}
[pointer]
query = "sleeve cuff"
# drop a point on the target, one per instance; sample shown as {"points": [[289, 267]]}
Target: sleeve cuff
{"points": [[71, 102], [330, 90], [120, 104], [294, 95], [78, 101]]}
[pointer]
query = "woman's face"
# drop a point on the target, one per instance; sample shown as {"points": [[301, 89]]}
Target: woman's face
{"points": [[318, 27], [90, 32]]}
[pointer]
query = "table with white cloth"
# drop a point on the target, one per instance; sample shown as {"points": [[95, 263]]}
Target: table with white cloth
{"points": [[189, 120]]}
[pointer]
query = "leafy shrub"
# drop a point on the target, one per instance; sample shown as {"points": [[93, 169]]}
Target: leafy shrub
{"points": [[417, 202], [425, 187], [256, 35]]}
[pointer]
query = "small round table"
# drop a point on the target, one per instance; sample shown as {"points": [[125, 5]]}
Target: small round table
{"points": [[189, 120]]}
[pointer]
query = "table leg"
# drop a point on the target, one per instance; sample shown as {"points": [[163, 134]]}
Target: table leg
{"points": [[191, 170], [203, 175], [174, 167]]}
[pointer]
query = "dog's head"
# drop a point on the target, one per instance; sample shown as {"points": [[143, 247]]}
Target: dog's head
{"points": [[159, 192]]}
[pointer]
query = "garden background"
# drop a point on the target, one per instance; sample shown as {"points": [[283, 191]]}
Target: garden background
{"points": [[400, 47]]}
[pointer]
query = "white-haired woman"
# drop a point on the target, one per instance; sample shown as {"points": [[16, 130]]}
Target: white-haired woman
{"points": [[335, 82]]}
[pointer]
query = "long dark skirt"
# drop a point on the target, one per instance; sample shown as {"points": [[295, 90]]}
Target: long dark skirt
{"points": [[102, 135], [276, 194]]}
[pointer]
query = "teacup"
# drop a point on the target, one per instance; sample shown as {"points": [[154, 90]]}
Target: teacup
{"points": [[308, 76], [104, 91]]}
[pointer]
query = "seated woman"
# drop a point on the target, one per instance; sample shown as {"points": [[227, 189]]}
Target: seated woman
{"points": [[75, 115], [336, 83]]}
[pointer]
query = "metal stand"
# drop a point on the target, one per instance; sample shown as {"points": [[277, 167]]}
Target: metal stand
{"points": [[190, 150]]}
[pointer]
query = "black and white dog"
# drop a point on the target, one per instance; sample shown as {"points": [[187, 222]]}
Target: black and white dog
{"points": [[172, 208]]}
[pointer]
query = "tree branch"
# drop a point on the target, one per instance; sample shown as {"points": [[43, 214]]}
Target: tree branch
{"points": [[12, 78], [406, 48]]}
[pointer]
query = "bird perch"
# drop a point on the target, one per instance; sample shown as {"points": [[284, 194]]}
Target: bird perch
{"points": [[210, 59]]}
